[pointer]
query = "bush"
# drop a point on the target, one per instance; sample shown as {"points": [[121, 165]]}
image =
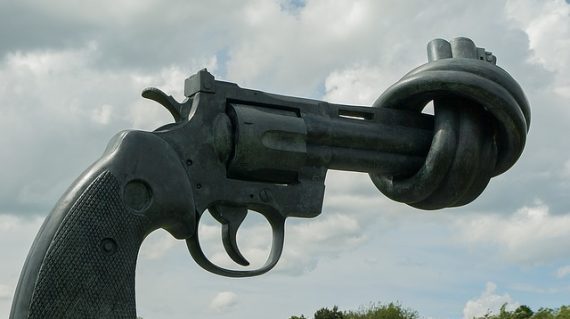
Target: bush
{"points": [[380, 311], [524, 312], [374, 311], [396, 311], [325, 313]]}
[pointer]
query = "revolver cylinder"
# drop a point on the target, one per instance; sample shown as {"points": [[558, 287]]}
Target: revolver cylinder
{"points": [[270, 145]]}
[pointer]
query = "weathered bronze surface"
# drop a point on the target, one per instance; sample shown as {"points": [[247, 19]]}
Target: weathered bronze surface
{"points": [[231, 150]]}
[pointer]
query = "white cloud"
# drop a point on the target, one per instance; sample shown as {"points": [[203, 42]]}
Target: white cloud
{"points": [[541, 289], [5, 292], [308, 242], [223, 301], [547, 24], [16, 236], [353, 207], [563, 271], [59, 111], [488, 302], [157, 244], [358, 85], [336, 35], [531, 235], [566, 170], [102, 114], [12, 224]]}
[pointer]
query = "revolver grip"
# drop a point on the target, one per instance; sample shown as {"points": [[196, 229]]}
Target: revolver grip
{"points": [[82, 263]]}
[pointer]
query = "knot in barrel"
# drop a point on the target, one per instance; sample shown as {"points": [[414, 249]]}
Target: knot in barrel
{"points": [[481, 118]]}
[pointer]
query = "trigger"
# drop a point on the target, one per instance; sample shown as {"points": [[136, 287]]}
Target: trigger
{"points": [[231, 218]]}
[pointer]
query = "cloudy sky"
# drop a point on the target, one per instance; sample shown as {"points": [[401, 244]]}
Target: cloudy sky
{"points": [[71, 73]]}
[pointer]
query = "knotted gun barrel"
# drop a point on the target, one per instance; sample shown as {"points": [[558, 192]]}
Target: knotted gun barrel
{"points": [[481, 121]]}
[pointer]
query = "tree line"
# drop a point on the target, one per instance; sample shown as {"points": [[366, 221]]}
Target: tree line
{"points": [[397, 311]]}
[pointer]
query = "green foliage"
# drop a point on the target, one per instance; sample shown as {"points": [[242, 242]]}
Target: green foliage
{"points": [[380, 311], [325, 313], [524, 312], [374, 311], [543, 313], [396, 311], [563, 312]]}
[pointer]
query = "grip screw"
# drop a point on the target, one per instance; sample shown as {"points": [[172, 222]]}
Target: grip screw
{"points": [[137, 195], [108, 246]]}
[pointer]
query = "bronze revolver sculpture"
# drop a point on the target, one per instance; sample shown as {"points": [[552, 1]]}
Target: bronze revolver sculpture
{"points": [[231, 150]]}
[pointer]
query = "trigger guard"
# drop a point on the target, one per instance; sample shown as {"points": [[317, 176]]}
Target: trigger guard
{"points": [[278, 228]]}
